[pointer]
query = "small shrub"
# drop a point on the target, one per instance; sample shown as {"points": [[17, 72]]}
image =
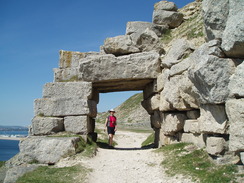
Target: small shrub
{"points": [[2, 163]]}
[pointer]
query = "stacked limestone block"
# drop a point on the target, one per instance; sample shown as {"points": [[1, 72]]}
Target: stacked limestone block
{"points": [[198, 97], [65, 107], [67, 104]]}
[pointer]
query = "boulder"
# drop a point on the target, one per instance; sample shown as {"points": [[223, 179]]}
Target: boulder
{"points": [[166, 139], [148, 40], [215, 48], [156, 120], [160, 30], [215, 145], [135, 29], [172, 123], [63, 107], [164, 105], [215, 15], [236, 84], [76, 124], [151, 104], [82, 90], [210, 76], [180, 49], [171, 18], [14, 173], [196, 139], [234, 110], [191, 126], [213, 119], [120, 45], [66, 75], [165, 5], [46, 125], [47, 150], [134, 66], [178, 93], [233, 39], [193, 114], [70, 59], [150, 90], [162, 79], [242, 157]]}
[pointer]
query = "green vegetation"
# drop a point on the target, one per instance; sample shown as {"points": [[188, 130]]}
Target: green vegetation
{"points": [[72, 79], [149, 141], [186, 159], [167, 37], [2, 163], [55, 175], [132, 102]]}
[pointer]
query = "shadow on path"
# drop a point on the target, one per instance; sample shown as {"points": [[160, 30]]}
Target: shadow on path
{"points": [[106, 146]]}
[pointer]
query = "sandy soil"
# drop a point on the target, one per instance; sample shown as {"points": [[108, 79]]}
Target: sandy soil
{"points": [[128, 162]]}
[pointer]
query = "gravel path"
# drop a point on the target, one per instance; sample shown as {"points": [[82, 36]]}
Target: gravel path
{"points": [[128, 163]]}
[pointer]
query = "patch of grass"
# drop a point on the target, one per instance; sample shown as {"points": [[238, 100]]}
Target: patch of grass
{"points": [[132, 102], [195, 163], [55, 175], [149, 141], [89, 149], [72, 79], [2, 163], [167, 36]]}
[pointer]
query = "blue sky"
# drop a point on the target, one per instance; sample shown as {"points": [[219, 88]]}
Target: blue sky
{"points": [[33, 31]]}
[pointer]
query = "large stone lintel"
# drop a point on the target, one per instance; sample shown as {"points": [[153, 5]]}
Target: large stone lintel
{"points": [[121, 85]]}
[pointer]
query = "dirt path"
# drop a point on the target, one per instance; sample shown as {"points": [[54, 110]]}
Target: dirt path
{"points": [[128, 163]]}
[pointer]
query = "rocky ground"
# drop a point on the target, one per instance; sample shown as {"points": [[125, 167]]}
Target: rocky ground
{"points": [[128, 162]]}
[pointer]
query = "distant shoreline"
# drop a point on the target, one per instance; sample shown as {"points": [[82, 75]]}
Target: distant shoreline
{"points": [[12, 138]]}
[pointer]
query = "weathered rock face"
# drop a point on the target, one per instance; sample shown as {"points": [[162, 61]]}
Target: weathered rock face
{"points": [[66, 99], [210, 76], [76, 124], [215, 14], [173, 123], [82, 90], [192, 126], [234, 110], [236, 84], [120, 45], [165, 13], [222, 20], [47, 125], [215, 145], [233, 41], [45, 150], [213, 119], [180, 49]]}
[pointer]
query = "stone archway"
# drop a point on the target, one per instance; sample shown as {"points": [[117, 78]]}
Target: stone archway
{"points": [[70, 102]]}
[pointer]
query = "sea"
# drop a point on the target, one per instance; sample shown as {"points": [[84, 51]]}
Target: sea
{"points": [[9, 148]]}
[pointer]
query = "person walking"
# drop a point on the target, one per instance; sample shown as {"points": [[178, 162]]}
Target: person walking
{"points": [[111, 125]]}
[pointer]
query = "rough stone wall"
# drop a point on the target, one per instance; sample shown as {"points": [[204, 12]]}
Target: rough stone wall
{"points": [[193, 94], [198, 97]]}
